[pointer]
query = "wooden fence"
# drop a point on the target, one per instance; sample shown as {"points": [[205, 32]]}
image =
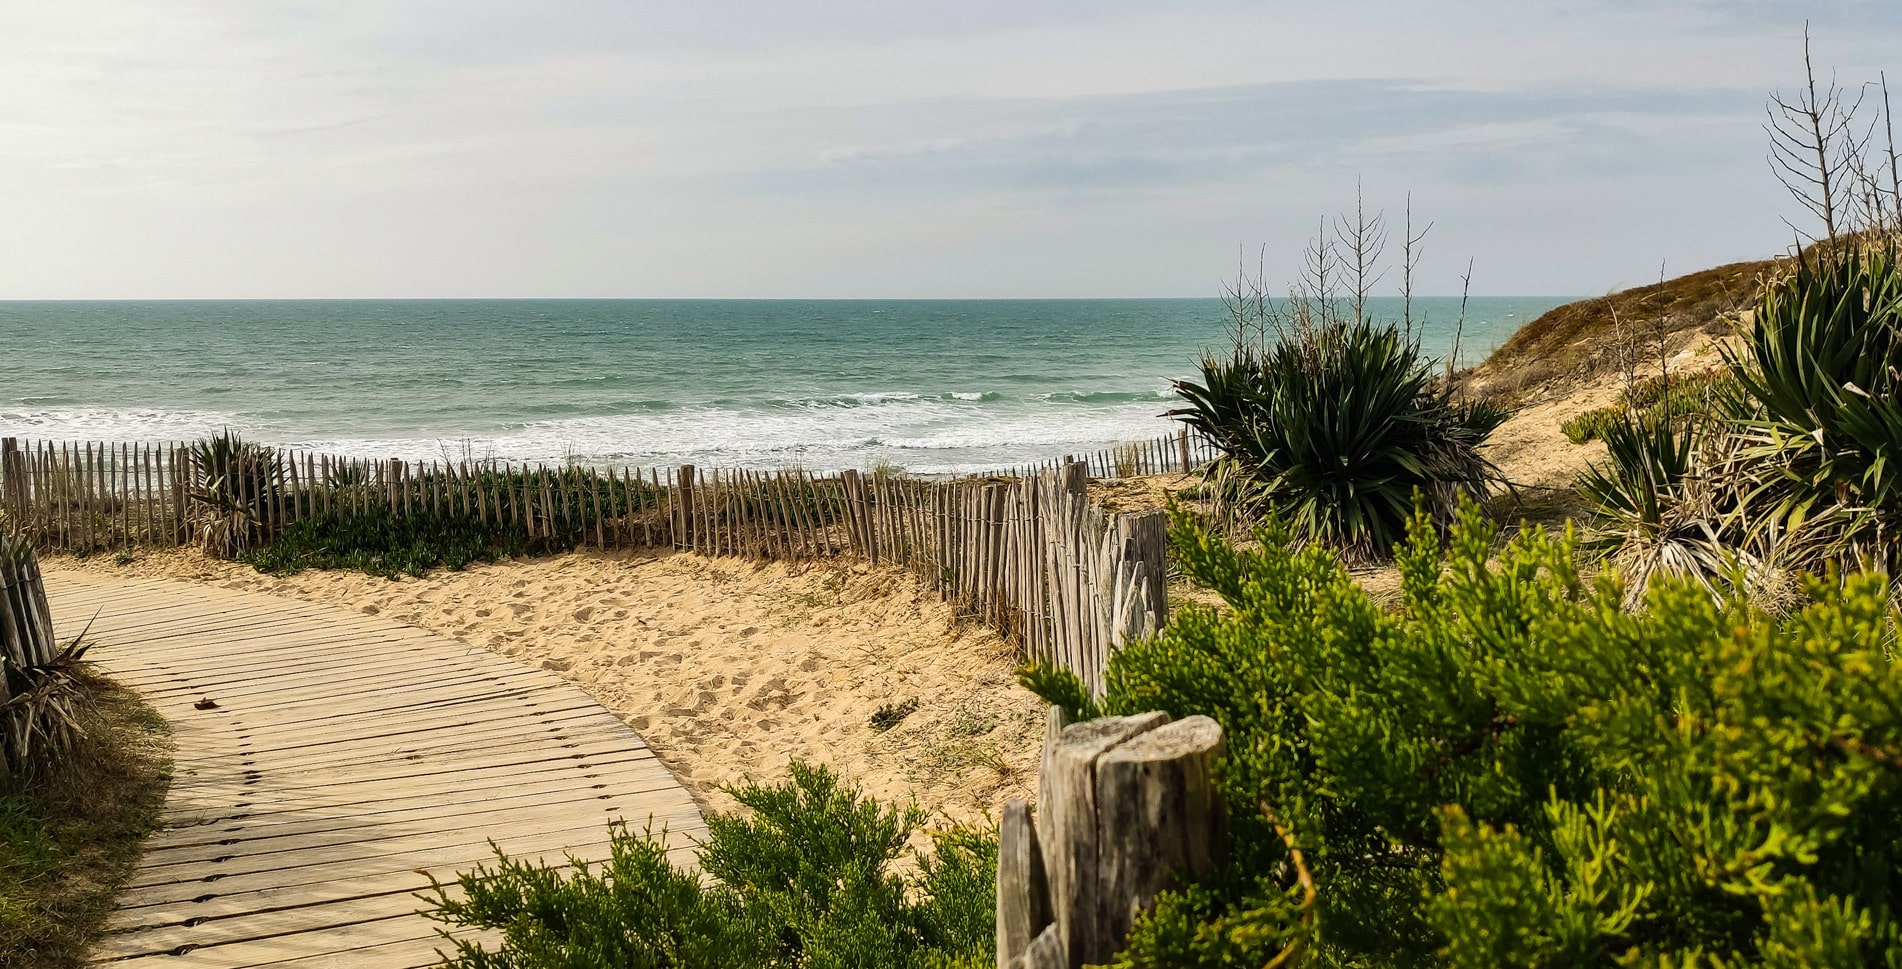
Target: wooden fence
{"points": [[1026, 553], [26, 646]]}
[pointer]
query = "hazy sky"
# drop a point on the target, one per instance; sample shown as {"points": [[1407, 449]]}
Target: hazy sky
{"points": [[258, 148]]}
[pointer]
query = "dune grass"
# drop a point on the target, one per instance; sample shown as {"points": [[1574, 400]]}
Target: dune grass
{"points": [[70, 833]]}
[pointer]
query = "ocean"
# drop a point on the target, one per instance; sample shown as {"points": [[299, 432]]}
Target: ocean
{"points": [[930, 386]]}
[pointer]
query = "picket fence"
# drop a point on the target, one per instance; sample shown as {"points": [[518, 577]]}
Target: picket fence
{"points": [[26, 646], [1024, 551]]}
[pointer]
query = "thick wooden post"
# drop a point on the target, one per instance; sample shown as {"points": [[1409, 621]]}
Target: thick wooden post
{"points": [[1128, 808], [1182, 446], [1158, 820], [1067, 829]]}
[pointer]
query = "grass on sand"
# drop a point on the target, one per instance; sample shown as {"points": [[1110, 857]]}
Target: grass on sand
{"points": [[70, 835]]}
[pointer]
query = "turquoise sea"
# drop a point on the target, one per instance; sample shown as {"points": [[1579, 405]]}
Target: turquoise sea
{"points": [[929, 385]]}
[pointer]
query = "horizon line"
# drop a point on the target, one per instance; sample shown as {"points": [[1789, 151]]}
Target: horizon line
{"points": [[706, 299]]}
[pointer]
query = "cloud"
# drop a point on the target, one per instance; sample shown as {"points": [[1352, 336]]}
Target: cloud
{"points": [[851, 147]]}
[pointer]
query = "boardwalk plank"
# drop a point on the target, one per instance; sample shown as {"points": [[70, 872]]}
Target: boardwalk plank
{"points": [[349, 757]]}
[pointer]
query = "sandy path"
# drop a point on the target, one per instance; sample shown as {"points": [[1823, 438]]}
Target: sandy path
{"points": [[729, 669]]}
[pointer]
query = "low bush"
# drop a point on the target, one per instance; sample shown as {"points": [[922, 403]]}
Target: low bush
{"points": [[378, 542], [1784, 466], [804, 878], [1511, 769]]}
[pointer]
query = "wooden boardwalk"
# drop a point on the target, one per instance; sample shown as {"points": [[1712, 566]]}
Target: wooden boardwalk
{"points": [[347, 758]]}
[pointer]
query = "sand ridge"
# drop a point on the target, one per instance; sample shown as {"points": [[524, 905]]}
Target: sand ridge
{"points": [[729, 669]]}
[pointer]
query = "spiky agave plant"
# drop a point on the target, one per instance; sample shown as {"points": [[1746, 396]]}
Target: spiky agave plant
{"points": [[234, 479], [1659, 510], [1822, 363], [1338, 426]]}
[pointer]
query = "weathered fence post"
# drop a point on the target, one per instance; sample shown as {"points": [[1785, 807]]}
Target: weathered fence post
{"points": [[26, 636], [1137, 603], [1128, 808], [13, 496], [1182, 446], [683, 507]]}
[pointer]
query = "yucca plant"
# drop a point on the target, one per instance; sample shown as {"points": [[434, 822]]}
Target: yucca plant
{"points": [[1659, 510], [1822, 363], [234, 479], [1337, 426]]}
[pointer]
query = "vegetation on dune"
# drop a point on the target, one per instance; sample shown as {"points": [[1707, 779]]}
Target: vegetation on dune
{"points": [[232, 481], [1676, 398], [1333, 418], [439, 519], [1511, 769], [1789, 465], [805, 878], [377, 542], [70, 832], [1583, 339]]}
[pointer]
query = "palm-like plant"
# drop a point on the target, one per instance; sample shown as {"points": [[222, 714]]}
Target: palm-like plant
{"points": [[234, 479], [1338, 426], [1822, 363], [1795, 469]]}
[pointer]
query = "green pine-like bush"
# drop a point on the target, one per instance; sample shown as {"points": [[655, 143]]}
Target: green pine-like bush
{"points": [[803, 878], [1337, 426], [1510, 768]]}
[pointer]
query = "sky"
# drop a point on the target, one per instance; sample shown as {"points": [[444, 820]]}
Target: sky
{"points": [[876, 148]]}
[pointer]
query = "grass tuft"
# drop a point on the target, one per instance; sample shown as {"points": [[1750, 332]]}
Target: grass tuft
{"points": [[70, 839]]}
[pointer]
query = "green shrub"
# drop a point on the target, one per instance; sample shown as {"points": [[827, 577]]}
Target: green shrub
{"points": [[1787, 471], [1678, 399], [380, 543], [1337, 426], [1511, 769], [804, 879]]}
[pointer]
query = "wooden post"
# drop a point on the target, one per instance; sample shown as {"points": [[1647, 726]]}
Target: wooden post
{"points": [[1129, 809], [1023, 893], [1067, 828], [683, 507], [13, 491], [1158, 819]]}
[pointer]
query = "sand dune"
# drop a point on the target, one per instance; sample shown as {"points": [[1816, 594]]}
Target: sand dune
{"points": [[729, 669]]}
